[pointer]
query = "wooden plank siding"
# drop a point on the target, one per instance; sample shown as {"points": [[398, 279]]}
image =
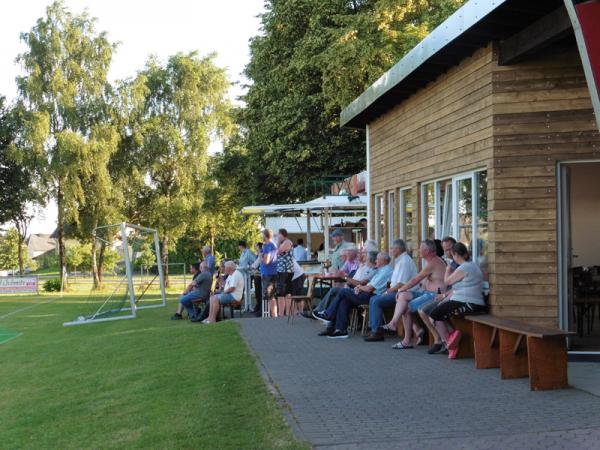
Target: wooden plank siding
{"points": [[542, 114], [517, 122]]}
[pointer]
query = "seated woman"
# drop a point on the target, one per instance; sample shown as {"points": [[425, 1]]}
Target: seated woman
{"points": [[466, 296]]}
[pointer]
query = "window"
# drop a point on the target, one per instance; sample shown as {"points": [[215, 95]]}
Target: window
{"points": [[406, 216], [456, 207], [391, 222], [380, 221], [436, 202]]}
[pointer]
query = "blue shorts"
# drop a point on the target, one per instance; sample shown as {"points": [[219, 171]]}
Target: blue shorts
{"points": [[225, 299], [420, 298]]}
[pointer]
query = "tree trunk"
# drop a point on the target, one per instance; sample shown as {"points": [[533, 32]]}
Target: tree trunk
{"points": [[21, 224], [101, 263], [164, 256], [20, 255], [62, 254], [95, 265]]}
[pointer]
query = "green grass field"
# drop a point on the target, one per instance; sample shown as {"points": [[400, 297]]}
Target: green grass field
{"points": [[141, 383]]}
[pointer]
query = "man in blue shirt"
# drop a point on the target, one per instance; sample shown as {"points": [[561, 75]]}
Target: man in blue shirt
{"points": [[210, 259], [268, 272], [300, 253], [336, 317]]}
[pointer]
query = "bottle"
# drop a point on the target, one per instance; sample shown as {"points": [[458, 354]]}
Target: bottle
{"points": [[439, 294]]}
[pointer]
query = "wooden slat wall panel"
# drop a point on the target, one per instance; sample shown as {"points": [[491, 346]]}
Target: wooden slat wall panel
{"points": [[441, 130], [541, 115]]}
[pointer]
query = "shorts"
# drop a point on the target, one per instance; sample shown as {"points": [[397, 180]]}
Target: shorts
{"points": [[268, 286], [284, 283], [420, 299], [449, 308], [428, 307], [225, 299], [298, 285]]}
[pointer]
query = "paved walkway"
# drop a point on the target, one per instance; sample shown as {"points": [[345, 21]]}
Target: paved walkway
{"points": [[349, 394]]}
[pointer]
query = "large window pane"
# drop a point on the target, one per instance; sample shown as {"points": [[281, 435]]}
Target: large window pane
{"points": [[380, 221], [391, 217], [465, 212], [428, 215], [482, 222], [406, 217], [444, 209]]}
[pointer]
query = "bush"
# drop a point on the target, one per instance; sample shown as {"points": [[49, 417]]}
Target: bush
{"points": [[52, 285]]}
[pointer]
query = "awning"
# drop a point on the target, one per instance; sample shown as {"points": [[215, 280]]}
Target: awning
{"points": [[331, 203]]}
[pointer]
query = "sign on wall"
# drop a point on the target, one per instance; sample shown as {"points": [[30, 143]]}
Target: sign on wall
{"points": [[12, 285]]}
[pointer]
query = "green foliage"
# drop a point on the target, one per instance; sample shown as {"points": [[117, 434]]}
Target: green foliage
{"points": [[312, 58], [52, 285], [9, 248], [75, 256], [61, 101], [48, 260]]}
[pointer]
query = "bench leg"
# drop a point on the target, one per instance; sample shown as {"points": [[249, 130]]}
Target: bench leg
{"points": [[547, 363], [512, 364], [487, 354], [465, 346]]}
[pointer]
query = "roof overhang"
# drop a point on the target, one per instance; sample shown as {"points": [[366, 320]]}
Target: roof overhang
{"points": [[471, 27]]}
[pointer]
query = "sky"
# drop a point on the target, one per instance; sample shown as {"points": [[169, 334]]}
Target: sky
{"points": [[161, 28]]}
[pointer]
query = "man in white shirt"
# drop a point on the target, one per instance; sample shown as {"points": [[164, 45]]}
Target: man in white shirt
{"points": [[300, 252], [232, 292], [404, 269]]}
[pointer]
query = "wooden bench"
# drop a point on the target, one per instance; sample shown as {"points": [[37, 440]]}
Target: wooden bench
{"points": [[521, 350]]}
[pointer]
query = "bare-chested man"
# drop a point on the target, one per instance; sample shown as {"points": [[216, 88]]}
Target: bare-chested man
{"points": [[409, 299]]}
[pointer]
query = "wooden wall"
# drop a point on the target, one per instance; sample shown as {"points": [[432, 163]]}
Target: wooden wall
{"points": [[441, 130], [517, 121], [542, 114]]}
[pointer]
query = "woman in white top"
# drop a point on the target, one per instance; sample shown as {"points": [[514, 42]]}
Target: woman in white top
{"points": [[466, 296]]}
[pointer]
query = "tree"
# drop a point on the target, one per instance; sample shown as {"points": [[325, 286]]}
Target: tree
{"points": [[18, 193], [175, 110], [312, 58], [61, 94], [9, 250]]}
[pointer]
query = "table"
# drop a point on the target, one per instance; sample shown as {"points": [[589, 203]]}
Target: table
{"points": [[327, 279]]}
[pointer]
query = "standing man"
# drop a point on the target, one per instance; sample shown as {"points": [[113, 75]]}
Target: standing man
{"points": [[300, 252], [340, 245], [404, 269], [268, 270], [210, 259]]}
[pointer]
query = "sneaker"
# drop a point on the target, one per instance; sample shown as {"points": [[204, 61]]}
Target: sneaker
{"points": [[452, 353], [320, 316], [176, 317], [326, 332], [338, 334], [442, 351], [435, 348], [453, 339], [375, 337]]}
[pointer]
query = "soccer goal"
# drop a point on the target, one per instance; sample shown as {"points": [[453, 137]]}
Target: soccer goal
{"points": [[130, 288]]}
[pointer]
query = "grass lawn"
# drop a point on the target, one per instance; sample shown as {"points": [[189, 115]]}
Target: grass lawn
{"points": [[142, 383]]}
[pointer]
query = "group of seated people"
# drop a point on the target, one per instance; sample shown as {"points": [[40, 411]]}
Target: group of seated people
{"points": [[449, 284], [210, 290]]}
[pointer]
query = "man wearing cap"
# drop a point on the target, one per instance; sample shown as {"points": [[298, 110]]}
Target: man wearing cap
{"points": [[404, 269], [340, 245]]}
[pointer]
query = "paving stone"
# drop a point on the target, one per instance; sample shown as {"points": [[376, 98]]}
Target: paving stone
{"points": [[349, 394]]}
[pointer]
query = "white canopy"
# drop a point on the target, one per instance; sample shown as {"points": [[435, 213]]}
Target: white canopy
{"points": [[332, 203]]}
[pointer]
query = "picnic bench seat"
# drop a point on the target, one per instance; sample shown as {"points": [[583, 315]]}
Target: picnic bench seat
{"points": [[520, 350]]}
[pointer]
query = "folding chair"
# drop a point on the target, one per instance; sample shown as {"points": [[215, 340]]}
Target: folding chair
{"points": [[307, 299]]}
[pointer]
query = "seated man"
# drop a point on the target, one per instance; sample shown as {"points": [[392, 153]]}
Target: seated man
{"points": [[197, 290], [233, 290], [404, 269], [338, 312], [431, 278], [363, 274]]}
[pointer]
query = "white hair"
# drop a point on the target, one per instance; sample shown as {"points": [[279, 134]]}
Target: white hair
{"points": [[370, 246], [231, 265]]}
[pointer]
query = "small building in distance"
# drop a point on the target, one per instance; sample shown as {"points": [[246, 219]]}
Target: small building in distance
{"points": [[486, 132]]}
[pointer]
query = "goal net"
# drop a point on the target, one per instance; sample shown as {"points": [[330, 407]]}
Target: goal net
{"points": [[137, 282]]}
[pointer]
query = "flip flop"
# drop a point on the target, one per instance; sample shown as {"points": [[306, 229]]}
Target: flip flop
{"points": [[420, 337], [401, 346], [388, 329]]}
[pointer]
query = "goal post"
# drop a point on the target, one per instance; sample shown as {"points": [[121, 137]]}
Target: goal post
{"points": [[119, 306]]}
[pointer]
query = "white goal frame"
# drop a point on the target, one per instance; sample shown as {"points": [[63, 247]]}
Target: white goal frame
{"points": [[132, 304]]}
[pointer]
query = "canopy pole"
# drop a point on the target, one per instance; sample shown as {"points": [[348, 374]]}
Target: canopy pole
{"points": [[308, 234], [326, 232]]}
